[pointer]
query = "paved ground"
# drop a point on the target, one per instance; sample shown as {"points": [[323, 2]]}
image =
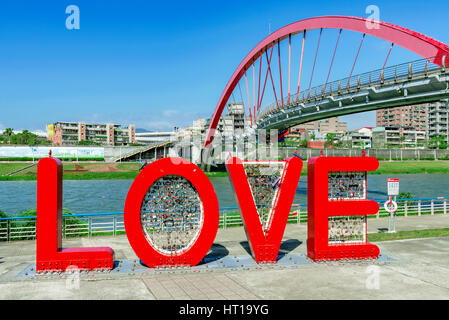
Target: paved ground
{"points": [[408, 269]]}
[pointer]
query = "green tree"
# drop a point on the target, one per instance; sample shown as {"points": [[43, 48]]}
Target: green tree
{"points": [[438, 143], [361, 144], [339, 144], [27, 138], [3, 215], [405, 195], [330, 137], [401, 140], [303, 143], [8, 132]]}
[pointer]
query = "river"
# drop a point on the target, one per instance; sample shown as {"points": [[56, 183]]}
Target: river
{"points": [[95, 196]]}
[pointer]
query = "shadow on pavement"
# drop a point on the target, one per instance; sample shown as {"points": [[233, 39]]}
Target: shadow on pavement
{"points": [[286, 247], [216, 252]]}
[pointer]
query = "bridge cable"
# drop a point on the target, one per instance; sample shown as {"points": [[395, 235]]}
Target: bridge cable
{"points": [[280, 71], [249, 103], [314, 61], [272, 83], [332, 61], [385, 63], [260, 75], [266, 75], [300, 64], [289, 64], [358, 51], [254, 90], [241, 96]]}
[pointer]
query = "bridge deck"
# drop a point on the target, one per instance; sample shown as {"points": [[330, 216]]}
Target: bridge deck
{"points": [[409, 269], [366, 92]]}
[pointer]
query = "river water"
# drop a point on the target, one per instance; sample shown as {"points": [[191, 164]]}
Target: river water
{"points": [[95, 196]]}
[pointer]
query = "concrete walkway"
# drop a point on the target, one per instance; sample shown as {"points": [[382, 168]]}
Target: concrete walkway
{"points": [[407, 269]]}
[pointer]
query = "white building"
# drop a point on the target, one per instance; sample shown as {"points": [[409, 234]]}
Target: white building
{"points": [[360, 138], [155, 137]]}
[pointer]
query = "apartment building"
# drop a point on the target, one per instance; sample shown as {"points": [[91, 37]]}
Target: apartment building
{"points": [[71, 133], [418, 122], [403, 117], [360, 138], [234, 121], [384, 137], [331, 125], [438, 119]]}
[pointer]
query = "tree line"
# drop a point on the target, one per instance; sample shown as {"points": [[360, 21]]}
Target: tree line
{"points": [[22, 138]]}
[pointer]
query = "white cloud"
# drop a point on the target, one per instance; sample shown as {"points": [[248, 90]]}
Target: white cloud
{"points": [[170, 113], [167, 120], [156, 125], [162, 120]]}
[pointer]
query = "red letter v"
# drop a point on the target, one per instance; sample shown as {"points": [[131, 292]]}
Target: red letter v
{"points": [[269, 186]]}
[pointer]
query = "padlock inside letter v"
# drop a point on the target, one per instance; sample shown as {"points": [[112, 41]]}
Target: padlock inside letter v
{"points": [[264, 191]]}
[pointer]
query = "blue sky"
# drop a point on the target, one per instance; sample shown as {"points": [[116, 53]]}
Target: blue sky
{"points": [[163, 64]]}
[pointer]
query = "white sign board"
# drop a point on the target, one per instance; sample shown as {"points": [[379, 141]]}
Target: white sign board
{"points": [[393, 187]]}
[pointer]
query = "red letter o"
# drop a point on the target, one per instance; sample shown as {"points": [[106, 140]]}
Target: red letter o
{"points": [[199, 246]]}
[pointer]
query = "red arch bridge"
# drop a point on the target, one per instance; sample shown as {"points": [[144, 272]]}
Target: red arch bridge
{"points": [[279, 68]]}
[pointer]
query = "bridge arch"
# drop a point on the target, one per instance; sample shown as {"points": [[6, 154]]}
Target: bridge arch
{"points": [[418, 43]]}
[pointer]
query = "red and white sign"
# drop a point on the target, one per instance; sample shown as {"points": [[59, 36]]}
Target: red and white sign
{"points": [[393, 187]]}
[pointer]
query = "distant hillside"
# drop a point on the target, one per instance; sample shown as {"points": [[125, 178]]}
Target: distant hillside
{"points": [[140, 130]]}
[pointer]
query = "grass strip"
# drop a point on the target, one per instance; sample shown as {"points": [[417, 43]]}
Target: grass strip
{"points": [[410, 234], [131, 170]]}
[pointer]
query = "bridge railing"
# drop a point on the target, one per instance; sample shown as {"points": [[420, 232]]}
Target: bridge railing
{"points": [[388, 75], [96, 224]]}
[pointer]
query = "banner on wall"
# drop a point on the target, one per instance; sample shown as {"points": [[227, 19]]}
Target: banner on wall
{"points": [[50, 130], [58, 152]]}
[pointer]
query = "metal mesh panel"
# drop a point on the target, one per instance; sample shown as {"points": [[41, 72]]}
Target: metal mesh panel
{"points": [[264, 179], [347, 186], [347, 229], [171, 214]]}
